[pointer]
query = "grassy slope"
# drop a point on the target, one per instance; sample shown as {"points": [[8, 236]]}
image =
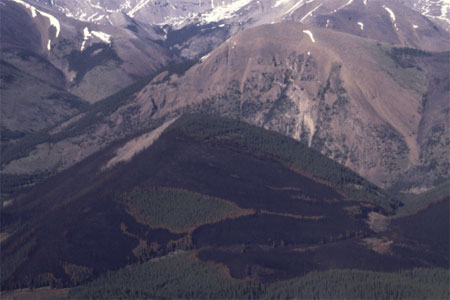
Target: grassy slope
{"points": [[183, 277], [415, 203]]}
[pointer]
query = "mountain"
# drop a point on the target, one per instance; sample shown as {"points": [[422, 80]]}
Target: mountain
{"points": [[375, 108], [96, 60], [265, 206], [384, 21], [329, 90], [436, 10], [39, 106], [94, 49], [194, 28], [53, 66], [33, 90], [237, 149]]}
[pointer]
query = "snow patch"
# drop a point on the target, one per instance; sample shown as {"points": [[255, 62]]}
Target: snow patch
{"points": [[392, 15], [138, 7], [310, 13], [310, 34], [328, 23], [415, 26], [53, 21], [106, 38], [49, 45], [92, 17], [87, 35], [224, 12], [295, 7], [361, 25], [96, 20], [365, 2], [94, 5], [30, 7], [346, 4], [205, 57], [428, 8], [280, 2], [34, 11]]}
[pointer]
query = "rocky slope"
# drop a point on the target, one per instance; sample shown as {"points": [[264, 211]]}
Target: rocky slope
{"points": [[329, 90], [92, 57], [52, 65], [436, 10], [195, 28], [95, 61], [33, 90], [385, 21], [377, 109]]}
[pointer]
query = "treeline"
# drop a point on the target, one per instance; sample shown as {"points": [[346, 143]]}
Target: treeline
{"points": [[182, 277], [7, 135], [414, 203], [223, 131], [92, 114], [405, 57], [10, 184]]}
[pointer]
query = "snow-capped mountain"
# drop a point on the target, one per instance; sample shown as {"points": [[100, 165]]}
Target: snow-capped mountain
{"points": [[177, 13], [174, 12], [125, 52], [216, 21], [436, 10], [142, 35]]}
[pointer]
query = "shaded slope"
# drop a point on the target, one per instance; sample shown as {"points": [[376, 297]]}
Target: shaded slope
{"points": [[429, 227], [39, 103]]}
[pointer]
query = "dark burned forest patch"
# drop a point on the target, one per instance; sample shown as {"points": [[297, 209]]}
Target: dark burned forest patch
{"points": [[269, 230], [425, 235], [271, 264], [235, 204]]}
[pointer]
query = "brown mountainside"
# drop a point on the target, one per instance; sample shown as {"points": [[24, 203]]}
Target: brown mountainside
{"points": [[365, 104], [385, 21], [360, 102]]}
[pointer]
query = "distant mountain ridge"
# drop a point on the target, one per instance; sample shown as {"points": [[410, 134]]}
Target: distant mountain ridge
{"points": [[176, 12], [234, 16]]}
